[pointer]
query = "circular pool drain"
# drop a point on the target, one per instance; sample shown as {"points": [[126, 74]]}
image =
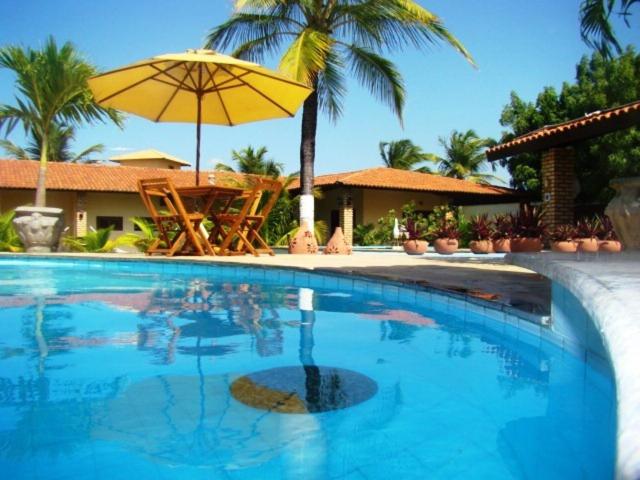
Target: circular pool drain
{"points": [[303, 389]]}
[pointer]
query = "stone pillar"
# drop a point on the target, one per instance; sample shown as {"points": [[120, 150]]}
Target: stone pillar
{"points": [[80, 225], [346, 218], [558, 180]]}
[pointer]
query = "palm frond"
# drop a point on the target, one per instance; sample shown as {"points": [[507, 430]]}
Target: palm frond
{"points": [[306, 57], [14, 151], [379, 75]]}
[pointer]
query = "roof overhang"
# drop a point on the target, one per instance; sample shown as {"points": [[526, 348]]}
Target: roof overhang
{"points": [[567, 133]]}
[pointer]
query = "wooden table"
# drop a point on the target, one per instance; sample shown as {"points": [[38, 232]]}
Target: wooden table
{"points": [[209, 200]]}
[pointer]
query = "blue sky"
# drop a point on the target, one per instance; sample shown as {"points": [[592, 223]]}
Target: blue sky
{"points": [[518, 45]]}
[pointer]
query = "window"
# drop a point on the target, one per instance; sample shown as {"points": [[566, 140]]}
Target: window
{"points": [[106, 222]]}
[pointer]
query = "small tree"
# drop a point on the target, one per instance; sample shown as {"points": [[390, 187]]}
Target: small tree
{"points": [[53, 91]]}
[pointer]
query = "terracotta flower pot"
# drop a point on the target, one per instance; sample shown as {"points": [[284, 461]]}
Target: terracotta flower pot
{"points": [[566, 246], [610, 246], [502, 245], [337, 245], [588, 245], [526, 244], [415, 247], [481, 246], [445, 246], [304, 241]]}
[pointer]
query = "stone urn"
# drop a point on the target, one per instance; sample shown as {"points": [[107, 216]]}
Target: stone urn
{"points": [[304, 241], [624, 211], [337, 244], [445, 246], [39, 228], [502, 245], [415, 247], [526, 244], [481, 246]]}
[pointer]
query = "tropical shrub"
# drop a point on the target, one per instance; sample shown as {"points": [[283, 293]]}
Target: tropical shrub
{"points": [[98, 241], [481, 227], [563, 233], [9, 240], [588, 227], [528, 223], [607, 231]]}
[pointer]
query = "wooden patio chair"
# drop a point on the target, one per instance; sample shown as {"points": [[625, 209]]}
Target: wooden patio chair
{"points": [[178, 229], [240, 230]]}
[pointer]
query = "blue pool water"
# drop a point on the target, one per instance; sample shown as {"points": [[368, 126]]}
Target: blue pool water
{"points": [[118, 374]]}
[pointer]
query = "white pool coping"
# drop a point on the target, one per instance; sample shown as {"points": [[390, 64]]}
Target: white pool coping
{"points": [[608, 286]]}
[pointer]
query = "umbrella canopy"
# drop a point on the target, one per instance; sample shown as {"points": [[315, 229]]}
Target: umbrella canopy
{"points": [[199, 86]]}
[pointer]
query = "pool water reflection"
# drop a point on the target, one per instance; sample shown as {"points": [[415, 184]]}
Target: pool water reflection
{"points": [[113, 375]]}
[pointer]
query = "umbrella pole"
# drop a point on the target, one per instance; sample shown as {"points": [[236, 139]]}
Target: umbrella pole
{"points": [[198, 125]]}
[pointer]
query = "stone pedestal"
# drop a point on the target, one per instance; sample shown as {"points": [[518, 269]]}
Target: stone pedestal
{"points": [[624, 211], [39, 228]]}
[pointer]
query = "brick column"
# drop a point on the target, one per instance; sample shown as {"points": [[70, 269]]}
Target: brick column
{"points": [[346, 218], [80, 227], [558, 179]]}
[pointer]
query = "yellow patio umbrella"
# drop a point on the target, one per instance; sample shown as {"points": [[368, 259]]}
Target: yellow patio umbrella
{"points": [[200, 86]]}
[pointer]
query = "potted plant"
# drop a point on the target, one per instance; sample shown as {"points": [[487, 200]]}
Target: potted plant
{"points": [[502, 233], [562, 239], [528, 230], [481, 233], [54, 97], [587, 232], [415, 244], [446, 236], [609, 241]]}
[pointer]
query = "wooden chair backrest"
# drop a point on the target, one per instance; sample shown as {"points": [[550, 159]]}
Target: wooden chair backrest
{"points": [[272, 188]]}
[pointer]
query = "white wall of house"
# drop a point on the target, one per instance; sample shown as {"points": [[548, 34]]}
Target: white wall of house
{"points": [[490, 209]]}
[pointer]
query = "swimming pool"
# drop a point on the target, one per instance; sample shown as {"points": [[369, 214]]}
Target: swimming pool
{"points": [[162, 370]]}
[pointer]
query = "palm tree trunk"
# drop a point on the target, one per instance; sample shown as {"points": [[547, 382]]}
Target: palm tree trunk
{"points": [[41, 189], [307, 156]]}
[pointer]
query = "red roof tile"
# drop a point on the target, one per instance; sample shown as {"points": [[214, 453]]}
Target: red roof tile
{"points": [[22, 174], [394, 179], [591, 125]]}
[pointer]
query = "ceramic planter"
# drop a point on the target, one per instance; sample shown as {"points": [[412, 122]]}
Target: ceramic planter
{"points": [[526, 244], [39, 228], [502, 245], [303, 242], [415, 247], [564, 246], [445, 246], [337, 245], [588, 245], [481, 246], [610, 246]]}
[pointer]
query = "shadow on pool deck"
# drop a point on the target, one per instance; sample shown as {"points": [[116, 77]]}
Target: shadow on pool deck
{"points": [[525, 291]]}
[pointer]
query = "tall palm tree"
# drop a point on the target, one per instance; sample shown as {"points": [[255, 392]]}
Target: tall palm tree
{"points": [[464, 157], [327, 39], [253, 162], [59, 148], [404, 155], [53, 90], [596, 29]]}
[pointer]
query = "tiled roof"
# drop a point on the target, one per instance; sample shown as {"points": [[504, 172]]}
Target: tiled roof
{"points": [[562, 134], [22, 174], [394, 179], [149, 154]]}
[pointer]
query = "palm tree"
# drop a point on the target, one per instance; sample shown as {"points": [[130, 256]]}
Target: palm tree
{"points": [[404, 155], [595, 27], [329, 38], [53, 91], [464, 157], [59, 149], [252, 161]]}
